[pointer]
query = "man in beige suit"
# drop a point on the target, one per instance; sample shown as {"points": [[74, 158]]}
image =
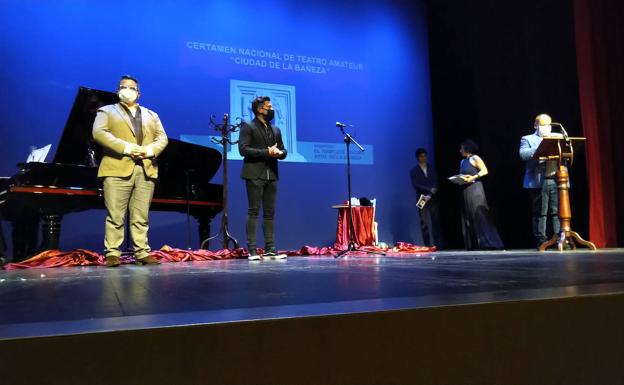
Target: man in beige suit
{"points": [[131, 137]]}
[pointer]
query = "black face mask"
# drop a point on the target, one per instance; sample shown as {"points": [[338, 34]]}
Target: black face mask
{"points": [[270, 115]]}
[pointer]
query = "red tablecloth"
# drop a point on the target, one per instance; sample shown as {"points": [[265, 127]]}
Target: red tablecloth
{"points": [[363, 223]]}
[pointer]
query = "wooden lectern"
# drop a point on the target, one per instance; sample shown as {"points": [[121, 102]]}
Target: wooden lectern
{"points": [[561, 149]]}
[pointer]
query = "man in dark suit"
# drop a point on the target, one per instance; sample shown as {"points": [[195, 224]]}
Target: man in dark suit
{"points": [[261, 145], [425, 182]]}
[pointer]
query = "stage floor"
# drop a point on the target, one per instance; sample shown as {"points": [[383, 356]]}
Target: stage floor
{"points": [[48, 302]]}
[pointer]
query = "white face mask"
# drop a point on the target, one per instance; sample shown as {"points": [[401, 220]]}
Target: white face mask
{"points": [[128, 95], [544, 130]]}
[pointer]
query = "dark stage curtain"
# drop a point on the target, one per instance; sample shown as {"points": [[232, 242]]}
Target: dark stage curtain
{"points": [[600, 61], [495, 65]]}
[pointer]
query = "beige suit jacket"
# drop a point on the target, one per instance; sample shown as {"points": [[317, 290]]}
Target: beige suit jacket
{"points": [[112, 129]]}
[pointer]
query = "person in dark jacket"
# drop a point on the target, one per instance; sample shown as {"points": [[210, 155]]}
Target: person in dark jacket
{"points": [[425, 182], [260, 143]]}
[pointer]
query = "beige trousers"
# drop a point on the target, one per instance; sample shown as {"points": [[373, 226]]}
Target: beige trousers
{"points": [[131, 194]]}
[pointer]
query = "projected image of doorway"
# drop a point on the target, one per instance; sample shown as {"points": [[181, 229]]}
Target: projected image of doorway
{"points": [[284, 103]]}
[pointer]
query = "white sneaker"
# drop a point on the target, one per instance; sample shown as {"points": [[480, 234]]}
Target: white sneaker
{"points": [[253, 257], [273, 255]]}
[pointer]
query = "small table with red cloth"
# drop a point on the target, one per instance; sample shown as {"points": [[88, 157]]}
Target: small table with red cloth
{"points": [[363, 226]]}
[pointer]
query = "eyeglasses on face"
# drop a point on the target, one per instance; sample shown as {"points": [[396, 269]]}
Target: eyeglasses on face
{"points": [[128, 88]]}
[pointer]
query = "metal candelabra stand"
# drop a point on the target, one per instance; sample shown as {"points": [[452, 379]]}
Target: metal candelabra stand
{"points": [[225, 130]]}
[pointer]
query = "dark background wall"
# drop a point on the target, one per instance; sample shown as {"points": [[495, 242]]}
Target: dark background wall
{"points": [[495, 65]]}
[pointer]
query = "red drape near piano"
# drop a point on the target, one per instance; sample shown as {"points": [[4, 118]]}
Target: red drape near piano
{"points": [[600, 60], [363, 218]]}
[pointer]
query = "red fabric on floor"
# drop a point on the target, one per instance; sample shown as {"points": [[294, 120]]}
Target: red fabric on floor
{"points": [[81, 257], [56, 258]]}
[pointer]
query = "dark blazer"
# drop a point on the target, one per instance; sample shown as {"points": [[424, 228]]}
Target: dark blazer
{"points": [[424, 184], [253, 144]]}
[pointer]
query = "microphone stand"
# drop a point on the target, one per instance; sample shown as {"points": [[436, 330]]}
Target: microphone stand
{"points": [[348, 139], [187, 175], [568, 144], [563, 131], [225, 130]]}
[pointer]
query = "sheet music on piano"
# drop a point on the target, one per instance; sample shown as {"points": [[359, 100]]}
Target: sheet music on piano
{"points": [[38, 154]]}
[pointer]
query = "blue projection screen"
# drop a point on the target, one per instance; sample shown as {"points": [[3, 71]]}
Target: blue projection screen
{"points": [[363, 63]]}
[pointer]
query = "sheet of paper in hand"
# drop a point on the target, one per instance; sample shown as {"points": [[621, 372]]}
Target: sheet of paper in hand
{"points": [[457, 179], [421, 201]]}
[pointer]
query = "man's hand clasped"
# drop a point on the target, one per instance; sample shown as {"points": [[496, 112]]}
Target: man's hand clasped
{"points": [[274, 151], [137, 152]]}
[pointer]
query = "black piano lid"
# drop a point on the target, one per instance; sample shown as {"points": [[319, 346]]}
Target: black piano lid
{"points": [[177, 161], [182, 160], [77, 138]]}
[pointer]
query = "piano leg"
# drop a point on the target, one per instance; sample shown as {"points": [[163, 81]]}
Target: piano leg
{"points": [[204, 230], [24, 234], [3, 246], [51, 231]]}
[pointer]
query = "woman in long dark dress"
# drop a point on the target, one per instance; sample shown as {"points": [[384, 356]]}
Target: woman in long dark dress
{"points": [[478, 227]]}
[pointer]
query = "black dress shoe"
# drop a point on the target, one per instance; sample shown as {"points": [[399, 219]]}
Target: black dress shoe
{"points": [[112, 261], [149, 260]]}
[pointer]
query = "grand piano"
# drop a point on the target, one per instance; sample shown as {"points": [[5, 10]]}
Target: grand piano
{"points": [[42, 193]]}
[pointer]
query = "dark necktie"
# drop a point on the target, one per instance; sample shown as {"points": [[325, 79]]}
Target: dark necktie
{"points": [[137, 122], [138, 130], [269, 133]]}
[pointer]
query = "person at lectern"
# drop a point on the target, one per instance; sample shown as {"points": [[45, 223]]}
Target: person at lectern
{"points": [[539, 180], [131, 137], [478, 226], [425, 181], [260, 143]]}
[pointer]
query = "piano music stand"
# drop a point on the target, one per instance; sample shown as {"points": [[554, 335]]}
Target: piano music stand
{"points": [[562, 150]]}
